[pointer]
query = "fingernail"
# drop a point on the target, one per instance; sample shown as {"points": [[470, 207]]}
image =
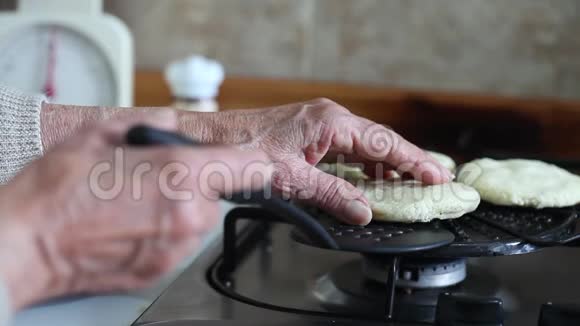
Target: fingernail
{"points": [[358, 212]]}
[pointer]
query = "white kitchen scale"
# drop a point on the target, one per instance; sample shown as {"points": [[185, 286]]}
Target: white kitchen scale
{"points": [[70, 50]]}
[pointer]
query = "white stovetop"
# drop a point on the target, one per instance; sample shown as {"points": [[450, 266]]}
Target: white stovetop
{"points": [[110, 310]]}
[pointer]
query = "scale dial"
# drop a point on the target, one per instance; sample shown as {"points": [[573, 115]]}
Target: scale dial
{"points": [[63, 64]]}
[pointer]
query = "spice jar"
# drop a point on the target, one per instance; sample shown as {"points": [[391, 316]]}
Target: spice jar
{"points": [[195, 83]]}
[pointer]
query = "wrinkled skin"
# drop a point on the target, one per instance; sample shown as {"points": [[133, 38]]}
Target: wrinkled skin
{"points": [[298, 136], [59, 238]]}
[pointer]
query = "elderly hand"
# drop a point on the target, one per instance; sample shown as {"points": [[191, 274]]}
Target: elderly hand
{"points": [[71, 225], [298, 136]]}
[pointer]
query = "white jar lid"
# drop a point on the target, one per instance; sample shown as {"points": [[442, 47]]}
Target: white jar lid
{"points": [[195, 77]]}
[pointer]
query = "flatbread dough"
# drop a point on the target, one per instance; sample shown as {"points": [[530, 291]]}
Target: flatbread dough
{"points": [[520, 182], [409, 201]]}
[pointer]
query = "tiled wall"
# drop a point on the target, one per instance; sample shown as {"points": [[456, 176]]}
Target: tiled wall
{"points": [[517, 47]]}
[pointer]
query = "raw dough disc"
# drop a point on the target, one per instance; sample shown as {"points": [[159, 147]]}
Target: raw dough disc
{"points": [[409, 201], [520, 182]]}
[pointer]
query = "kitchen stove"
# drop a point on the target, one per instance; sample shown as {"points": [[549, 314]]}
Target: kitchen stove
{"points": [[346, 289], [269, 273]]}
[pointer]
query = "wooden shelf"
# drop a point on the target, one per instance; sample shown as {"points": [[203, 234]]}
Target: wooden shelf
{"points": [[468, 123]]}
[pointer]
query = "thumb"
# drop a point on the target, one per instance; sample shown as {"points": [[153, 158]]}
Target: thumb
{"points": [[231, 170], [335, 195]]}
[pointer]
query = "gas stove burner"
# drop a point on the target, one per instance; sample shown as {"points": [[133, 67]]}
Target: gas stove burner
{"points": [[417, 273], [349, 289]]}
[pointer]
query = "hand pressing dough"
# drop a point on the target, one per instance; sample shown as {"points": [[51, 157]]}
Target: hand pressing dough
{"points": [[353, 172], [345, 171], [520, 182], [444, 160], [410, 201]]}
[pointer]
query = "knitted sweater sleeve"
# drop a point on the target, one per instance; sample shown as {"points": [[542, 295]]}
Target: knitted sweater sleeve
{"points": [[20, 139]]}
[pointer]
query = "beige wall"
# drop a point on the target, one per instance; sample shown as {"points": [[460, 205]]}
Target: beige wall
{"points": [[527, 47]]}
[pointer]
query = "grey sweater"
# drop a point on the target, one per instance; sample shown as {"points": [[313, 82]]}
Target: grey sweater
{"points": [[20, 143], [20, 140]]}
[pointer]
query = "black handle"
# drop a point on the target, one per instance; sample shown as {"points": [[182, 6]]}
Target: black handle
{"points": [[147, 136]]}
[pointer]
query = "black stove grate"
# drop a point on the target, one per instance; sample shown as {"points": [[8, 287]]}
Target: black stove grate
{"points": [[488, 231]]}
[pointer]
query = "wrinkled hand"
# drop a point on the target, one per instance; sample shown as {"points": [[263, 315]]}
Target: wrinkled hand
{"points": [[298, 136], [68, 227]]}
